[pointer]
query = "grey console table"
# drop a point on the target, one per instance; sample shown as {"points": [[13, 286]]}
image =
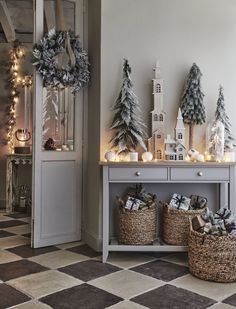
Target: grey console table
{"points": [[163, 172]]}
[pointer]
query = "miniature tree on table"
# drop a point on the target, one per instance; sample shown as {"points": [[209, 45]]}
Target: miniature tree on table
{"points": [[129, 129], [192, 108], [222, 116]]}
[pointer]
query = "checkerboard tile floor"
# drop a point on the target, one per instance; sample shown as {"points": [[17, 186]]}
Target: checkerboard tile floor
{"points": [[71, 276]]}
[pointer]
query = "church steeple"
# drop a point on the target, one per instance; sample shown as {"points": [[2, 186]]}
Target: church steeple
{"points": [[180, 128], [158, 89]]}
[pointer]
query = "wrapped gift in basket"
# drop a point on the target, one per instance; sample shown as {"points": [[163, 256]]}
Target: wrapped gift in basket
{"points": [[176, 216], [137, 217], [212, 246]]}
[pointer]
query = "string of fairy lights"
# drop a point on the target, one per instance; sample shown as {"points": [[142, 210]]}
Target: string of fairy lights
{"points": [[15, 81]]}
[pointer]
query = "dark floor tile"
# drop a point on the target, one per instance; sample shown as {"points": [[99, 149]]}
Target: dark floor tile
{"points": [[11, 223], [26, 251], [18, 269], [85, 250], [230, 300], [18, 215], [5, 234], [157, 254], [27, 235], [89, 270], [169, 296], [82, 296], [10, 296], [161, 270]]}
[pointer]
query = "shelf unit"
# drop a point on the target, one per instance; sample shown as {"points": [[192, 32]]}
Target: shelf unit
{"points": [[163, 172]]}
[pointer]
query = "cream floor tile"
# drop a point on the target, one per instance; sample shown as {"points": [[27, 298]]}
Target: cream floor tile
{"points": [[58, 259], [20, 230], [4, 218], [13, 241], [177, 258], [127, 305], [7, 257], [126, 283], [32, 305], [127, 260], [221, 306], [70, 244], [217, 291], [44, 283]]}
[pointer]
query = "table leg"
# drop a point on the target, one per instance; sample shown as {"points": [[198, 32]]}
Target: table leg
{"points": [[224, 200], [232, 188], [105, 224], [9, 186]]}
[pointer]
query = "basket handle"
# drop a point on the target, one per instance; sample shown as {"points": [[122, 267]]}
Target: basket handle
{"points": [[190, 225]]}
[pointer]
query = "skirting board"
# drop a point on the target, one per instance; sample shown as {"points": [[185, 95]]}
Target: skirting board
{"points": [[92, 240]]}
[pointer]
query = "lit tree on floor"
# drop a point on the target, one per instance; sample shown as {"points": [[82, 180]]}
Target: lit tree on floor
{"points": [[129, 129], [193, 110], [222, 116]]}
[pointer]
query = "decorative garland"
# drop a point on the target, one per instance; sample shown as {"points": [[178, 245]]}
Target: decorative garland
{"points": [[16, 53], [75, 74]]}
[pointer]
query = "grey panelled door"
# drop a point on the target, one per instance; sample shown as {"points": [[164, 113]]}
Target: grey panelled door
{"points": [[57, 174]]}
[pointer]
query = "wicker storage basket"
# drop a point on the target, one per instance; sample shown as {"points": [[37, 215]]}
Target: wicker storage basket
{"points": [[212, 257], [176, 224], [138, 227]]}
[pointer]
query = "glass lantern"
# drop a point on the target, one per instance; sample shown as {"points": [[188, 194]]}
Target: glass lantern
{"points": [[215, 141], [22, 138]]}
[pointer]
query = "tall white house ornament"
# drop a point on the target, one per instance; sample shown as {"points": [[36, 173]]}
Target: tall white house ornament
{"points": [[156, 141]]}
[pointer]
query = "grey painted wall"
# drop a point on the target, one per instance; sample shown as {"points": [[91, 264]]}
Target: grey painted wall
{"points": [[177, 32]]}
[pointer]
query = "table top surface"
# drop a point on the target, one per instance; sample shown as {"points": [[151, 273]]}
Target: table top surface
{"points": [[166, 163]]}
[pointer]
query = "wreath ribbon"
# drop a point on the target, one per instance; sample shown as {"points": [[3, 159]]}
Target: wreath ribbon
{"points": [[70, 51]]}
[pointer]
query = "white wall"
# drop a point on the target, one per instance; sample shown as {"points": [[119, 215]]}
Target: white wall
{"points": [[178, 33]]}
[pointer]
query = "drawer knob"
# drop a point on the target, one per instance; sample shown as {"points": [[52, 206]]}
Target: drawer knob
{"points": [[138, 173], [200, 173]]}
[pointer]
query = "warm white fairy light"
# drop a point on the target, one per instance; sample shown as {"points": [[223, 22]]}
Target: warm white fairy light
{"points": [[16, 54]]}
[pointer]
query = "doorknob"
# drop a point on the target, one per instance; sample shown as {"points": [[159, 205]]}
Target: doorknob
{"points": [[138, 173], [200, 173]]}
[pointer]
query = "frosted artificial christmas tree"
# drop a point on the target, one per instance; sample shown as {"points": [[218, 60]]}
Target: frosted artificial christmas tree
{"points": [[129, 128], [193, 110], [222, 116]]}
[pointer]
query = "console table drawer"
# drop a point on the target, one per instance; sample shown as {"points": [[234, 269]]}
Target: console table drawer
{"points": [[138, 174], [200, 174]]}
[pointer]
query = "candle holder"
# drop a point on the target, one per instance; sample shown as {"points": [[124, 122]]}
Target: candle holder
{"points": [[22, 136]]}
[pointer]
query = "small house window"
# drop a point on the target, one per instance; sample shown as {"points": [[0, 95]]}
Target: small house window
{"points": [[158, 136], [158, 88], [155, 117], [159, 154], [180, 136], [180, 149], [172, 157], [161, 117], [181, 157]]}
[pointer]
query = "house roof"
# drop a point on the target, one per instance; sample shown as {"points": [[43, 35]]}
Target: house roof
{"points": [[179, 144]]}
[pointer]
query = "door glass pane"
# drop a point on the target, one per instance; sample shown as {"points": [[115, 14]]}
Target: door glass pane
{"points": [[58, 119], [58, 103]]}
